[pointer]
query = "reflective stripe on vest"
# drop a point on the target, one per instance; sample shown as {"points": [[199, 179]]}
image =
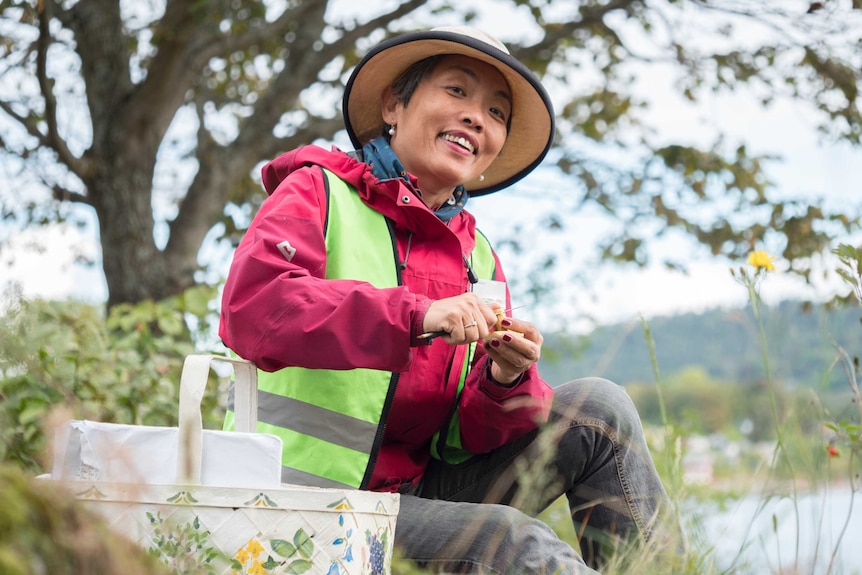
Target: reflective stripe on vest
{"points": [[331, 437]]}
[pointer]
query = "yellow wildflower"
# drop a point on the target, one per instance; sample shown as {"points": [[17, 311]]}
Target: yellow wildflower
{"points": [[257, 569], [760, 259], [254, 548], [241, 556]]}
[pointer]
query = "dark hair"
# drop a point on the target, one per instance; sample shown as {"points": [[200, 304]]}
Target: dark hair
{"points": [[405, 84]]}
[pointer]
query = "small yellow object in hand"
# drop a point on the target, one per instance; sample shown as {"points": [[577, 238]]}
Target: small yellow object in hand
{"points": [[500, 330]]}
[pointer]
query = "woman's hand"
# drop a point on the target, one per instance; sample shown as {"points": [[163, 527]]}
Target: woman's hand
{"points": [[512, 354], [465, 318]]}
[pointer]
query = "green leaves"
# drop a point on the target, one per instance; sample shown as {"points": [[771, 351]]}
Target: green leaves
{"points": [[67, 357], [302, 545], [283, 548], [183, 547], [850, 271], [299, 566]]}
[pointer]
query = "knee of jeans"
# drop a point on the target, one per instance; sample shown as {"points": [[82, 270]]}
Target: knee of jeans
{"points": [[527, 542], [598, 398]]}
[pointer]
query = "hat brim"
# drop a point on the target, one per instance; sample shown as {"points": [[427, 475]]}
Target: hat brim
{"points": [[531, 132]]}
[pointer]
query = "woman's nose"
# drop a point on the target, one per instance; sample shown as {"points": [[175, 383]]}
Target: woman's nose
{"points": [[473, 120]]}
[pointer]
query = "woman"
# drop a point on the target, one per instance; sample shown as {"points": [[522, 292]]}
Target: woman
{"points": [[355, 258]]}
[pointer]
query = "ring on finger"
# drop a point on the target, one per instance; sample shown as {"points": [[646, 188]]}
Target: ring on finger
{"points": [[474, 324]]}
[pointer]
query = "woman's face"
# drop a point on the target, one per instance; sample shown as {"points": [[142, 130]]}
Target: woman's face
{"points": [[453, 127]]}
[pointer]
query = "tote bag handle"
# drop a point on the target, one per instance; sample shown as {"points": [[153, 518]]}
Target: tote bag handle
{"points": [[193, 382]]}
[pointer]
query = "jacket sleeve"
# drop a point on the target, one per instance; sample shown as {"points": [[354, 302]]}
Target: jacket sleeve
{"points": [[278, 308], [492, 415]]}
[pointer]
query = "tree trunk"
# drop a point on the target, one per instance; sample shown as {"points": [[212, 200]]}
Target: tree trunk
{"points": [[134, 267]]}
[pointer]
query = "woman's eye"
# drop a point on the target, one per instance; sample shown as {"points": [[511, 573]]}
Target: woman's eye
{"points": [[498, 113], [457, 90]]}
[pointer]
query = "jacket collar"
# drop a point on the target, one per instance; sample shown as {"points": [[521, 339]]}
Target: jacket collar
{"points": [[384, 164]]}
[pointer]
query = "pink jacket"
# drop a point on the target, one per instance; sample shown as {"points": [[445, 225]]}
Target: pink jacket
{"points": [[278, 312]]}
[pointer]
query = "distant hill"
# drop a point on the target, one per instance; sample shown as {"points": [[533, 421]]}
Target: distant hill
{"points": [[723, 342]]}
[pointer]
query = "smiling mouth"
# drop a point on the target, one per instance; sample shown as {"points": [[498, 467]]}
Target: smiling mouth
{"points": [[463, 142]]}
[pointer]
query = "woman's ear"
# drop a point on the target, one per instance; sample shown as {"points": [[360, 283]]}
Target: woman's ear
{"points": [[388, 106]]}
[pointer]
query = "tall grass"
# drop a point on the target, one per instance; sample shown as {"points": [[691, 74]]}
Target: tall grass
{"points": [[802, 464], [813, 451]]}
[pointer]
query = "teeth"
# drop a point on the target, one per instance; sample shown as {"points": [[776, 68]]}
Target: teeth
{"points": [[463, 142]]}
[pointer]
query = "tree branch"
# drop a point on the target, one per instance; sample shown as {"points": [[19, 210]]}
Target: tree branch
{"points": [[311, 11], [65, 195], [28, 123], [285, 87], [383, 20], [196, 212], [103, 50], [52, 139], [305, 12], [591, 16], [256, 138], [291, 81]]}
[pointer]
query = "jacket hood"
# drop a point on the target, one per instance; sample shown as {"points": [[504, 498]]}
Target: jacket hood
{"points": [[348, 168], [385, 197]]}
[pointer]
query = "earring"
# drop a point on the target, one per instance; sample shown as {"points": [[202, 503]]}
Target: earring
{"points": [[481, 177], [392, 130]]}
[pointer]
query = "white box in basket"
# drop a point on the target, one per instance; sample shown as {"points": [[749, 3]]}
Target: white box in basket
{"points": [[110, 452]]}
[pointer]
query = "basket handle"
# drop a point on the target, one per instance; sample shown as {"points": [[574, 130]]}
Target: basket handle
{"points": [[193, 382]]}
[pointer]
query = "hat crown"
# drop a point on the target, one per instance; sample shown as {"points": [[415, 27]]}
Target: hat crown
{"points": [[474, 33]]}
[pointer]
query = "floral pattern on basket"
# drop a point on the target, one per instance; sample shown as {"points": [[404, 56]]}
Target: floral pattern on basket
{"points": [[185, 547]]}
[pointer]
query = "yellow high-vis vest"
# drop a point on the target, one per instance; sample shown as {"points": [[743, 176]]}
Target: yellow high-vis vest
{"points": [[331, 421]]}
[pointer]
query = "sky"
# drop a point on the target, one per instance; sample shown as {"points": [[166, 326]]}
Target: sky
{"points": [[810, 167]]}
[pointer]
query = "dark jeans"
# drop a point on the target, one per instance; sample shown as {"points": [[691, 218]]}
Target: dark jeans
{"points": [[476, 517]]}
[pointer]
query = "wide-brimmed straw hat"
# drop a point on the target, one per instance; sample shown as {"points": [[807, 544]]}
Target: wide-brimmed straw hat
{"points": [[532, 121]]}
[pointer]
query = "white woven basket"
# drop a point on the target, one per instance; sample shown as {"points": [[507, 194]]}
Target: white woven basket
{"points": [[290, 529]]}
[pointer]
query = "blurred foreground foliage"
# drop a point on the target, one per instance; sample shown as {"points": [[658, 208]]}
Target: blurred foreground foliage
{"points": [[70, 360], [43, 530]]}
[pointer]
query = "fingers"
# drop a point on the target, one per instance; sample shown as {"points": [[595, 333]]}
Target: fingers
{"points": [[472, 329], [508, 363], [475, 326], [465, 318], [513, 345], [525, 328], [516, 351], [513, 350]]}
